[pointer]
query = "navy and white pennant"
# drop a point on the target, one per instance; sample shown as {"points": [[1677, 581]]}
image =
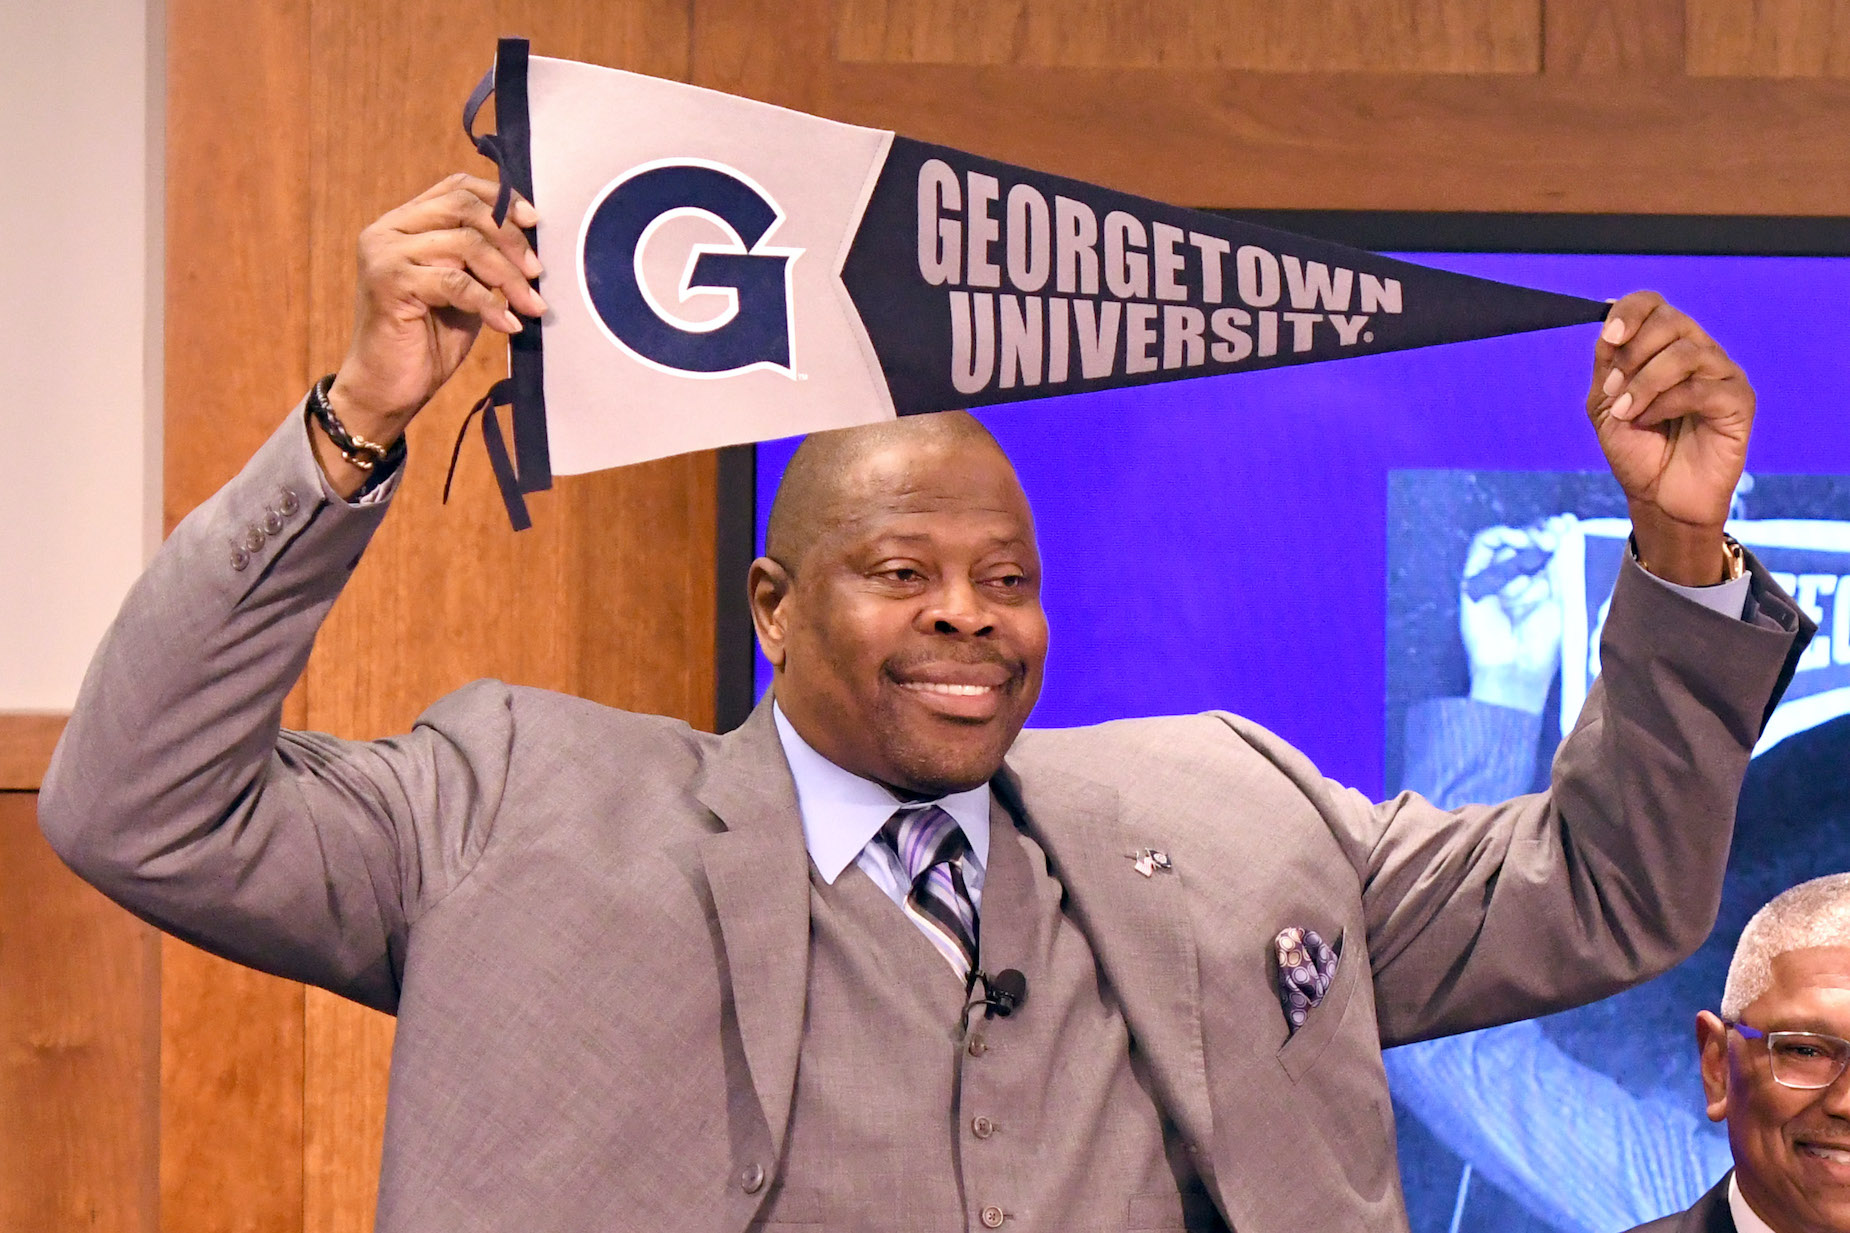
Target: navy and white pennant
{"points": [[723, 271]]}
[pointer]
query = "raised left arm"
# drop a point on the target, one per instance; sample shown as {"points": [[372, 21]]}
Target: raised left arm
{"points": [[1488, 913]]}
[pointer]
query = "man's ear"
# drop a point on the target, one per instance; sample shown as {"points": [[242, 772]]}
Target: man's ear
{"points": [[768, 585], [1712, 1044]]}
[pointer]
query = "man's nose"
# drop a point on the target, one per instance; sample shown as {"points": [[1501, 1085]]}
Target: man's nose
{"points": [[1836, 1098], [958, 607]]}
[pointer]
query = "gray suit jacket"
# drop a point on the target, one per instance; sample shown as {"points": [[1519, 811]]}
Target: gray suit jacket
{"points": [[1709, 1214], [593, 925]]}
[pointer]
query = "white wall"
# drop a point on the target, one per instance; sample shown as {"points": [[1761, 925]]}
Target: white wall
{"points": [[80, 259]]}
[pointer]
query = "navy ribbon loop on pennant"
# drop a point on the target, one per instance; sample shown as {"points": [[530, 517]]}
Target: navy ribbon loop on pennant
{"points": [[488, 145], [500, 394], [529, 468]]}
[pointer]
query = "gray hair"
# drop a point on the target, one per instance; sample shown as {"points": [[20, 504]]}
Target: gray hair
{"points": [[1814, 913]]}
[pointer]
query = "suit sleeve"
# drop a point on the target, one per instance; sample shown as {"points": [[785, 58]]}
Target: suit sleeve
{"points": [[1486, 914], [176, 792]]}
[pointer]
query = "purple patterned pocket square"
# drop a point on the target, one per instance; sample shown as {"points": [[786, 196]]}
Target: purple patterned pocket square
{"points": [[1305, 966]]}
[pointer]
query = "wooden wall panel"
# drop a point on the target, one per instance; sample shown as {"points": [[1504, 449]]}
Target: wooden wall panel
{"points": [[1613, 37], [1769, 38], [231, 1096], [26, 741], [1394, 142], [236, 360], [733, 50], [1408, 36], [347, 1056], [237, 213], [79, 987], [1642, 138]]}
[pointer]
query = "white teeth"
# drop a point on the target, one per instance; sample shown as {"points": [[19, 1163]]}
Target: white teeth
{"points": [[1836, 1155], [955, 691]]}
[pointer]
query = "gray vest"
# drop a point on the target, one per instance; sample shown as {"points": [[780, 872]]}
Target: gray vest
{"points": [[1042, 1121]]}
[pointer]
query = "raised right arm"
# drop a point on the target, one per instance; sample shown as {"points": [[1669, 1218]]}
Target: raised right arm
{"points": [[175, 790]]}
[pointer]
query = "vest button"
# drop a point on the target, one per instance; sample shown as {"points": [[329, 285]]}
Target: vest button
{"points": [[982, 1128], [978, 1046], [751, 1178], [993, 1217]]}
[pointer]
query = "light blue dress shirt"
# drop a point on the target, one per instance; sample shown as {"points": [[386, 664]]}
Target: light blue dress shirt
{"points": [[843, 814], [1727, 598]]}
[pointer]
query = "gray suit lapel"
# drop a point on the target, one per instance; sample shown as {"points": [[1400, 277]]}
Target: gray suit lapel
{"points": [[758, 870], [1137, 927]]}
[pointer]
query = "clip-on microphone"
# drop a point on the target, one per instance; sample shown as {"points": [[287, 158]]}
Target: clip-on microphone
{"points": [[1003, 994]]}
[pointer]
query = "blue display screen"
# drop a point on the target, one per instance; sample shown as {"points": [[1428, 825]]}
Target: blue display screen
{"points": [[1292, 545]]}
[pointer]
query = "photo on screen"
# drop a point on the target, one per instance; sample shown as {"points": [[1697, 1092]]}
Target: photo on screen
{"points": [[1498, 585]]}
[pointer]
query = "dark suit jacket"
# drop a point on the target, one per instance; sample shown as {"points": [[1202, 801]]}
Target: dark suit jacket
{"points": [[593, 925], [1709, 1214]]}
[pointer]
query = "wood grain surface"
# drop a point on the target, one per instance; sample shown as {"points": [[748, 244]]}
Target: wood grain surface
{"points": [[1769, 38], [238, 126], [1405, 36], [781, 51], [26, 741], [231, 1096], [237, 216], [79, 989], [1613, 37], [347, 1055], [1678, 145]]}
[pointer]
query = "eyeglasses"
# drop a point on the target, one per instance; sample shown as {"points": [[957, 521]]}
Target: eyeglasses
{"points": [[1804, 1060]]}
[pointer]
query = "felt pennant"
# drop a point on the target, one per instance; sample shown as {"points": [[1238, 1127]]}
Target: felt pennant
{"points": [[721, 271]]}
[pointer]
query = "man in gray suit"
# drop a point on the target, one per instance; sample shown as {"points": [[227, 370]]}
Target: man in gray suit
{"points": [[649, 978]]}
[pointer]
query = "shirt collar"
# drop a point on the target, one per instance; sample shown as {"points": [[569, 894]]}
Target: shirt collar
{"points": [[842, 811], [1746, 1219]]}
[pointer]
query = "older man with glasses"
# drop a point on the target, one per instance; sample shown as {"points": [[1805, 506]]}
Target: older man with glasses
{"points": [[1773, 1067]]}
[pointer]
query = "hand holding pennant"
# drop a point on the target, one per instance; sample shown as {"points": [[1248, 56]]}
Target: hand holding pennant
{"points": [[430, 274], [1673, 414], [721, 271]]}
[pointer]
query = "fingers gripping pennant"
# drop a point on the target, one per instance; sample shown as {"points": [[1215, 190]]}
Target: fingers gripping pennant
{"points": [[734, 272]]}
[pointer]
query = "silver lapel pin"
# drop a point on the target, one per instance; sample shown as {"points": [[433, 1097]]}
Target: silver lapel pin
{"points": [[1148, 860]]}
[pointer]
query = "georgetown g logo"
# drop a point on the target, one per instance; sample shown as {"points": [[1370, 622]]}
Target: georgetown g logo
{"points": [[677, 269]]}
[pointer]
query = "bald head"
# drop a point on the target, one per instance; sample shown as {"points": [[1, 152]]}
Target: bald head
{"points": [[899, 602], [829, 476]]}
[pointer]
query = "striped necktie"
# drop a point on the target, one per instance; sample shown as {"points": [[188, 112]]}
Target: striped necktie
{"points": [[931, 846]]}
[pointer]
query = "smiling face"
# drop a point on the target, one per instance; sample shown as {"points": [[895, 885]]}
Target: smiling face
{"points": [[908, 637], [1791, 1146]]}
